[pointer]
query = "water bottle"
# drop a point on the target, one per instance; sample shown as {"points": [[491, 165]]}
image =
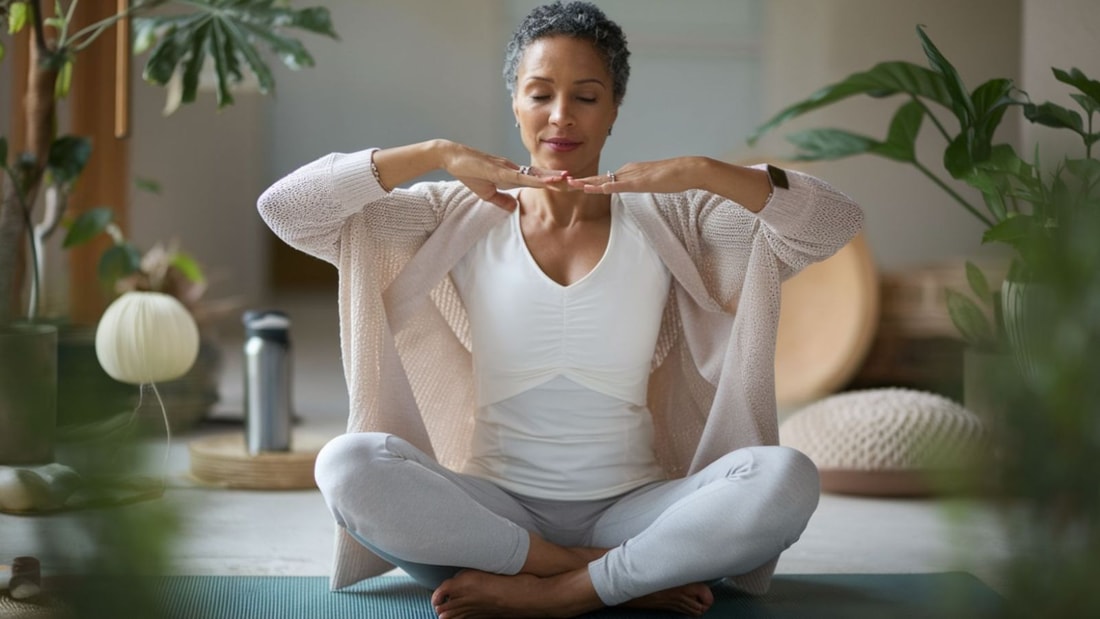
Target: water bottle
{"points": [[267, 405]]}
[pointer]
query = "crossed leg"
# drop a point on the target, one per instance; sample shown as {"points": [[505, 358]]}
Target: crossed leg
{"points": [[731, 517], [478, 546]]}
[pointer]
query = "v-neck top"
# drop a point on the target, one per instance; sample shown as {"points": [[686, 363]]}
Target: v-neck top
{"points": [[562, 371]]}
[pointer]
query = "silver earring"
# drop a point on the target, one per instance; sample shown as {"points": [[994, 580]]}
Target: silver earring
{"points": [[517, 124]]}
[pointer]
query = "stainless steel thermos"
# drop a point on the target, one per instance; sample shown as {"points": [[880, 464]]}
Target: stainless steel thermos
{"points": [[267, 402]]}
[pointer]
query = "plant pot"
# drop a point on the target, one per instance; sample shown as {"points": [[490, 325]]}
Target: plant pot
{"points": [[88, 394], [1024, 305], [28, 393], [985, 375]]}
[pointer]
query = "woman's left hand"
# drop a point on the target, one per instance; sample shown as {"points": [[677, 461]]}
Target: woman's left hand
{"points": [[664, 176]]}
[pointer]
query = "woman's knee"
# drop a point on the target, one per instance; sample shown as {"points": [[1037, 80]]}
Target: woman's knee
{"points": [[795, 477], [346, 459]]}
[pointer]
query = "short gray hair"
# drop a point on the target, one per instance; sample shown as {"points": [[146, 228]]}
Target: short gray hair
{"points": [[581, 20]]}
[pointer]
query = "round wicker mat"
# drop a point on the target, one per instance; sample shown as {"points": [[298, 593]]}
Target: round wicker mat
{"points": [[39, 607], [223, 460]]}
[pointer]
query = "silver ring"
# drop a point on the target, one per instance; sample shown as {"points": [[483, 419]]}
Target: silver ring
{"points": [[525, 170], [611, 176]]}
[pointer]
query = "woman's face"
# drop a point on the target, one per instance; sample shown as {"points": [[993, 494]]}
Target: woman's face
{"points": [[564, 104]]}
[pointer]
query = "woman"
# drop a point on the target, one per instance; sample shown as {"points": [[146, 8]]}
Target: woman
{"points": [[611, 336]]}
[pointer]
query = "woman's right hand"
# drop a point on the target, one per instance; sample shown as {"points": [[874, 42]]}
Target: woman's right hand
{"points": [[487, 174]]}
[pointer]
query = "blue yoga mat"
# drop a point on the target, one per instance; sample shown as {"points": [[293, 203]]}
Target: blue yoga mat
{"points": [[848, 596]]}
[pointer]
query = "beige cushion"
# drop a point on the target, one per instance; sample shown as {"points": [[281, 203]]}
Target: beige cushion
{"points": [[886, 442]]}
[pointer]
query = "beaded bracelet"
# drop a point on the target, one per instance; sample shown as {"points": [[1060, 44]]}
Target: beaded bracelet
{"points": [[374, 171]]}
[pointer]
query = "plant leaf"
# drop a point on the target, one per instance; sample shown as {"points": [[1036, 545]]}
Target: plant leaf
{"points": [[1090, 105], [1084, 168], [290, 51], [192, 67], [229, 31], [884, 79], [188, 267], [969, 319], [956, 157], [144, 34], [991, 100], [17, 17], [901, 140], [1015, 230], [148, 185], [960, 101], [316, 20], [1077, 79], [118, 262], [164, 57], [222, 67], [64, 81], [87, 226], [817, 144], [1053, 115], [978, 282], [67, 157], [256, 63]]}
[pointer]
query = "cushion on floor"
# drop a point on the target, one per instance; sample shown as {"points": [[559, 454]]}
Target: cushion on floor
{"points": [[885, 442]]}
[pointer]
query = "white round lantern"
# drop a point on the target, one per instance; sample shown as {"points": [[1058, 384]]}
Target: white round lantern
{"points": [[146, 337]]}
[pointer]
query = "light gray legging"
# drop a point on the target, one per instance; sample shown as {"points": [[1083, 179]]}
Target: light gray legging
{"points": [[732, 516]]}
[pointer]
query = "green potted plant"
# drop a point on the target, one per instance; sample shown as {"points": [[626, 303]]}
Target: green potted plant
{"points": [[228, 33], [1045, 442], [124, 267], [1023, 203]]}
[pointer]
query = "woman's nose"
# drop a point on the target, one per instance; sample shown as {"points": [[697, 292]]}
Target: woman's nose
{"points": [[562, 114]]}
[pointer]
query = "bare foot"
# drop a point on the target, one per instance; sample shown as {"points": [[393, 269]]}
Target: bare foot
{"points": [[694, 600], [472, 595]]}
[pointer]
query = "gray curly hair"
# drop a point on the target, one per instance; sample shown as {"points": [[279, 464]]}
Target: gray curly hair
{"points": [[581, 20]]}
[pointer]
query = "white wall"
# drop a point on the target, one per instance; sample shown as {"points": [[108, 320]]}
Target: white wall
{"points": [[705, 73], [402, 72], [811, 44], [209, 165], [1063, 34], [423, 69]]}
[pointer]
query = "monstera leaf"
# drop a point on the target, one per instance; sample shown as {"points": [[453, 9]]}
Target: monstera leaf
{"points": [[231, 33]]}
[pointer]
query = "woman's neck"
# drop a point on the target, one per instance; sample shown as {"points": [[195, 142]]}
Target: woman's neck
{"points": [[563, 208]]}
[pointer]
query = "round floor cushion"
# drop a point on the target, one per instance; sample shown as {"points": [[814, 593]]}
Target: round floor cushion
{"points": [[885, 442]]}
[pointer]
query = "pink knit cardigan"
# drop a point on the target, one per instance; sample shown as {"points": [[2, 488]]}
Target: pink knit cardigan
{"points": [[405, 336]]}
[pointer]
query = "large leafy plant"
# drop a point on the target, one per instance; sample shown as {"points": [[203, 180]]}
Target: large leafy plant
{"points": [[1023, 204], [231, 35]]}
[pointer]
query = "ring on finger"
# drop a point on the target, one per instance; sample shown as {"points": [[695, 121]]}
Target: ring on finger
{"points": [[525, 170], [610, 176]]}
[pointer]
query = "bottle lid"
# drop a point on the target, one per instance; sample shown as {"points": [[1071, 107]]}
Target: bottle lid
{"points": [[268, 324]]}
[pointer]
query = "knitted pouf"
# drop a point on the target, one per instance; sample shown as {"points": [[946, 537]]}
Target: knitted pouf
{"points": [[885, 442]]}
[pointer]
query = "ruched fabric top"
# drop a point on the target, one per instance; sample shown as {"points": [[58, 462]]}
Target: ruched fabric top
{"points": [[600, 331], [562, 371]]}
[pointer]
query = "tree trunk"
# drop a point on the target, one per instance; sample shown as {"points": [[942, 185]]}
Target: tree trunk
{"points": [[39, 107]]}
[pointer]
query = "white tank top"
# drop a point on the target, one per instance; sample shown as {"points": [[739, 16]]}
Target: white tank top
{"points": [[562, 371]]}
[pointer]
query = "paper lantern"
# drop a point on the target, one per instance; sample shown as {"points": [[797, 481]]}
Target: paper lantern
{"points": [[146, 337]]}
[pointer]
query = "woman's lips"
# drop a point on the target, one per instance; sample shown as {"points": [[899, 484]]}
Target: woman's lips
{"points": [[561, 146]]}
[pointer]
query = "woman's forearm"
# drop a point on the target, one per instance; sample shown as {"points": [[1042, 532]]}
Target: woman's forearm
{"points": [[748, 187], [401, 164]]}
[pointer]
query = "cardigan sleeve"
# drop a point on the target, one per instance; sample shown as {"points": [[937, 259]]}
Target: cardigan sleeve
{"points": [[309, 208], [804, 221]]}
